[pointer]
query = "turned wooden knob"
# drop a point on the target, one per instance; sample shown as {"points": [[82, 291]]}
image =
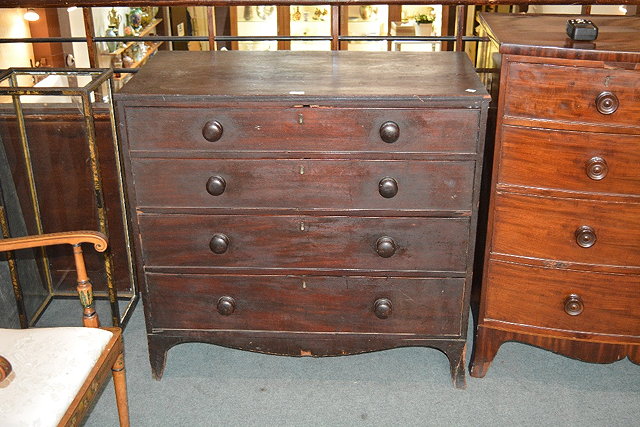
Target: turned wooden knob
{"points": [[597, 168], [216, 185], [573, 305], [5, 368], [212, 130], [226, 305], [607, 103], [219, 243], [389, 132], [585, 236], [382, 308], [386, 247], [388, 187]]}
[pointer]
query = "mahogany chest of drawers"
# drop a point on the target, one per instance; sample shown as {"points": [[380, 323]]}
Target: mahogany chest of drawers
{"points": [[562, 262], [305, 204]]}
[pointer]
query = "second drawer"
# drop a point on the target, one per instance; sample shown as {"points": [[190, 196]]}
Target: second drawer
{"points": [[323, 242], [304, 184]]}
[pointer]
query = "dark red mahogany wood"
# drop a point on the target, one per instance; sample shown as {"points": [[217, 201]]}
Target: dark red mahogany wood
{"points": [[305, 204]]}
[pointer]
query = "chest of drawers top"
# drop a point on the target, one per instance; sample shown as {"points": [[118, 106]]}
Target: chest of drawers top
{"points": [[304, 77], [545, 36]]}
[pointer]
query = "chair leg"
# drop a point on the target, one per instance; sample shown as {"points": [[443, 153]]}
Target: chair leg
{"points": [[120, 384]]}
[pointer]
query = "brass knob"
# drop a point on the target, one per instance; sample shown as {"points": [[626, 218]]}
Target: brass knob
{"points": [[385, 247], [597, 168], [389, 132], [212, 130], [388, 187], [219, 243], [382, 308], [585, 236], [573, 305], [216, 185], [607, 103], [226, 305]]}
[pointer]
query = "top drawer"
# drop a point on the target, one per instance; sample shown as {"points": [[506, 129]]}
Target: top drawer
{"points": [[304, 129], [575, 94]]}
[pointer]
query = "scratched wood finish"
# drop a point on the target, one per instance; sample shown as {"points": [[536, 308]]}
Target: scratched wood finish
{"points": [[305, 184], [554, 159], [312, 304], [301, 241], [302, 155], [541, 294], [544, 227], [304, 129], [539, 285]]}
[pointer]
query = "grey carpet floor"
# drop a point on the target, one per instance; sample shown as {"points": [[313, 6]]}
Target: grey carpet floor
{"points": [[207, 385]]}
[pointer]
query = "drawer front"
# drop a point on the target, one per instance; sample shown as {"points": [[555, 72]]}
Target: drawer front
{"points": [[314, 304], [304, 184], [550, 228], [277, 242], [303, 129], [562, 299], [575, 161], [552, 92]]}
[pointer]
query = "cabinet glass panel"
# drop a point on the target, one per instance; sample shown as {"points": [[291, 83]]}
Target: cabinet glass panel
{"points": [[257, 21], [310, 21], [414, 23], [367, 20]]}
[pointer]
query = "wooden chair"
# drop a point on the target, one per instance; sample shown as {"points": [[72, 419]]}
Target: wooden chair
{"points": [[57, 372]]}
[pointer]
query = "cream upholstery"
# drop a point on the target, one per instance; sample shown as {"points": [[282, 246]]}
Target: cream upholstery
{"points": [[40, 389]]}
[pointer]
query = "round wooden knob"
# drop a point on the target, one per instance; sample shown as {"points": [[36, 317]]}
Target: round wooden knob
{"points": [[226, 305], [607, 103], [573, 305], [389, 132], [597, 168], [382, 308], [219, 243], [385, 247], [585, 236], [388, 187], [216, 185], [212, 130]]}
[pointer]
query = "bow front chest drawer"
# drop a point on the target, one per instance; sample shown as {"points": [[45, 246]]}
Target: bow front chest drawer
{"points": [[304, 204]]}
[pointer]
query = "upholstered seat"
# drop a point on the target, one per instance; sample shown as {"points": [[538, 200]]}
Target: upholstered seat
{"points": [[49, 367], [50, 376]]}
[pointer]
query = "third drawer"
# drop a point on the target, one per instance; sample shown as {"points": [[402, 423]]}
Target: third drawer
{"points": [[305, 242], [580, 231]]}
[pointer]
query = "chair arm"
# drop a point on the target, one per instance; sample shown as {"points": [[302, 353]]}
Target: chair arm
{"points": [[5, 368], [99, 240]]}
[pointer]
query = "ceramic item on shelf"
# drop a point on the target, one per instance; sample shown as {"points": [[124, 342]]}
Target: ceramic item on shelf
{"points": [[296, 15], [114, 19], [113, 45], [423, 29], [367, 12], [249, 13], [135, 19]]}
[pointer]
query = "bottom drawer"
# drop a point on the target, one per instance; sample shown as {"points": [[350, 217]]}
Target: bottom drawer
{"points": [[430, 306], [561, 299]]}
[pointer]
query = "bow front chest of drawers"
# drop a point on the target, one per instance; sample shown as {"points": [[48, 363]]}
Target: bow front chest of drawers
{"points": [[562, 266], [304, 204]]}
